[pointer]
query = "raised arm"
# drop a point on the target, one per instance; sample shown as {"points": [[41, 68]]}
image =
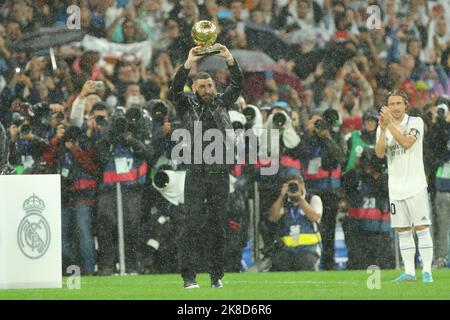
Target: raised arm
{"points": [[380, 146], [234, 90], [176, 90], [405, 140]]}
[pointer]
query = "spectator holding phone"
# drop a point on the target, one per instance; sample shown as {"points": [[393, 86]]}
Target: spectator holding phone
{"points": [[85, 101]]}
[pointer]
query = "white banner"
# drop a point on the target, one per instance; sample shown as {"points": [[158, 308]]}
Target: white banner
{"points": [[30, 232], [142, 50]]}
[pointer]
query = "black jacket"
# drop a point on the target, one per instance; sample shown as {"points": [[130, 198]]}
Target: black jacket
{"points": [[190, 108]]}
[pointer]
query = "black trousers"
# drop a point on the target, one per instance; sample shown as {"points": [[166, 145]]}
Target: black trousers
{"points": [[203, 222], [330, 202], [107, 227], [301, 261], [368, 248]]}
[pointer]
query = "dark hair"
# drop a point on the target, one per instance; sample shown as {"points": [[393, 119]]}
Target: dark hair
{"points": [[99, 106], [201, 75], [127, 20], [72, 133], [397, 92], [411, 40], [294, 176]]}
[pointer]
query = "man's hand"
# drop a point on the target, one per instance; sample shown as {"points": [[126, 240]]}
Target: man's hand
{"points": [[88, 87], [342, 206], [325, 133], [192, 58], [284, 190], [166, 128], [225, 53], [385, 117], [56, 107], [303, 192]]}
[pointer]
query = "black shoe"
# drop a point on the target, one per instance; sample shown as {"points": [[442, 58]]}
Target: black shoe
{"points": [[191, 284], [216, 283]]}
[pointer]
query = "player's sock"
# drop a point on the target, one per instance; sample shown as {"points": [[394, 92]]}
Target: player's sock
{"points": [[408, 251], [425, 248]]}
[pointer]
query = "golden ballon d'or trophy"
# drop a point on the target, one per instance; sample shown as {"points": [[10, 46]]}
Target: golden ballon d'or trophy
{"points": [[204, 34]]}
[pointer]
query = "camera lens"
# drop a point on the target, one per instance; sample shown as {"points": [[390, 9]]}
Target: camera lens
{"points": [[321, 124], [25, 129], [120, 125], [279, 119], [293, 187], [249, 114], [237, 125], [161, 179], [100, 120]]}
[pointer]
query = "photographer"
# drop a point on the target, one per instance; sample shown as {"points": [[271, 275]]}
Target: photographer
{"points": [[95, 125], [440, 137], [289, 143], [366, 228], [296, 213], [26, 148], [123, 155], [364, 138], [321, 154], [163, 124], [78, 184]]}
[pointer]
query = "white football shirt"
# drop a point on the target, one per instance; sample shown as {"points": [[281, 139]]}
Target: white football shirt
{"points": [[405, 167]]}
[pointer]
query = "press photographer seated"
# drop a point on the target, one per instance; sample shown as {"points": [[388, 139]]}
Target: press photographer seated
{"points": [[296, 213]]}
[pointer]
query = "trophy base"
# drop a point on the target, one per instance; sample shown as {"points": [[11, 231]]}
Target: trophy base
{"points": [[208, 51]]}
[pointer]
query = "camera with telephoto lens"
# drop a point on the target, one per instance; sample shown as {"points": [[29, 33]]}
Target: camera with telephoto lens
{"points": [[119, 123], [100, 120], [279, 119], [25, 129], [38, 113], [249, 114], [158, 110], [329, 120], [237, 125], [123, 121], [98, 85], [293, 187], [17, 119], [161, 179]]}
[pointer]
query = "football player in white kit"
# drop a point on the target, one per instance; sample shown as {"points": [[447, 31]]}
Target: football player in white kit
{"points": [[400, 138]]}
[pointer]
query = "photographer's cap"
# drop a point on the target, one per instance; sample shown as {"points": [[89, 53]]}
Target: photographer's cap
{"points": [[370, 115], [265, 107], [282, 105], [100, 105]]}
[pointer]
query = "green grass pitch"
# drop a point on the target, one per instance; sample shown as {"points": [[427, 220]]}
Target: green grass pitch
{"points": [[251, 286]]}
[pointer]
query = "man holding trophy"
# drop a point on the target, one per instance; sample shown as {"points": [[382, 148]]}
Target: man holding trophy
{"points": [[206, 185]]}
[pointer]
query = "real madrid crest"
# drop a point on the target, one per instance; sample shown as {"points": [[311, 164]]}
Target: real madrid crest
{"points": [[33, 234]]}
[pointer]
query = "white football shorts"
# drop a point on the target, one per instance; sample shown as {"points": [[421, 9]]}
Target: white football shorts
{"points": [[414, 211]]}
